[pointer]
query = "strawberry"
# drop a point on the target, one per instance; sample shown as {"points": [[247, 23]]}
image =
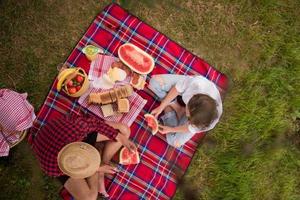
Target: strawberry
{"points": [[79, 79], [78, 88], [70, 83], [72, 90]]}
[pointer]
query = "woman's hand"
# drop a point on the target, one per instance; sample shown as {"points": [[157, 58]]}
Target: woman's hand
{"points": [[126, 143], [165, 129], [156, 111], [123, 128], [107, 169]]}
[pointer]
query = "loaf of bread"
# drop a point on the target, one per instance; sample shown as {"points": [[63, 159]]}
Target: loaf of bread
{"points": [[123, 105], [111, 96], [94, 98], [105, 97]]}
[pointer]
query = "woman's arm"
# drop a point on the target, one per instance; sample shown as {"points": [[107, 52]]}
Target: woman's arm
{"points": [[172, 94], [119, 126], [122, 137]]}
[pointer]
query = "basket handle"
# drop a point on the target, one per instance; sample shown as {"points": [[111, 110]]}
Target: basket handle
{"points": [[22, 135]]}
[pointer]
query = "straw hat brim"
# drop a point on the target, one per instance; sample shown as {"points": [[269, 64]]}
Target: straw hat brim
{"points": [[78, 160]]}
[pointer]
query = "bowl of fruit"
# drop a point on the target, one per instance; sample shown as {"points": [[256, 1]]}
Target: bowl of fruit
{"points": [[73, 81]]}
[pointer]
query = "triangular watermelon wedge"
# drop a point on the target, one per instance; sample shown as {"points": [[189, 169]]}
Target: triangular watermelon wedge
{"points": [[152, 123], [128, 158]]}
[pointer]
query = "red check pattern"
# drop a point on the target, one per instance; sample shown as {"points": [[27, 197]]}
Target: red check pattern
{"points": [[154, 177], [16, 114], [59, 132]]}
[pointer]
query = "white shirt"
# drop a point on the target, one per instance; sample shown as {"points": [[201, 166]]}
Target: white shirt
{"points": [[192, 85]]}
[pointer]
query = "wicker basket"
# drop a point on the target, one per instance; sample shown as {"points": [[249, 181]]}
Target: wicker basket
{"points": [[84, 87], [22, 136]]}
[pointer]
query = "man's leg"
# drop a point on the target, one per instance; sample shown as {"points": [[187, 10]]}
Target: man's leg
{"points": [[179, 139], [162, 83]]}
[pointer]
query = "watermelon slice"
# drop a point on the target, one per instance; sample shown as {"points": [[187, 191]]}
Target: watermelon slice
{"points": [[152, 123], [135, 58], [128, 158]]}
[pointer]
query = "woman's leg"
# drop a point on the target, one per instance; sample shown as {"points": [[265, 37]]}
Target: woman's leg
{"points": [[176, 139], [83, 189], [162, 83], [110, 149]]}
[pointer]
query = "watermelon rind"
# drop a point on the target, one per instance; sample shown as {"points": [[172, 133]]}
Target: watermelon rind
{"points": [[127, 161], [154, 131], [142, 52]]}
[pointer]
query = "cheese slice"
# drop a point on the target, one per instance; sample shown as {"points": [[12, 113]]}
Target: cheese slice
{"points": [[107, 110], [116, 74]]}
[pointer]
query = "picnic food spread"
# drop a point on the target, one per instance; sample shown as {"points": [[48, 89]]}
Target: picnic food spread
{"points": [[134, 62], [152, 123], [135, 58], [128, 158], [73, 81]]}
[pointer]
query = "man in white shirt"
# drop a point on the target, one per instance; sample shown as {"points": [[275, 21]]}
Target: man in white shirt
{"points": [[198, 107]]}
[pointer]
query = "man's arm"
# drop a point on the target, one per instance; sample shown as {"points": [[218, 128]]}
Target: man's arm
{"points": [[172, 94], [178, 129]]}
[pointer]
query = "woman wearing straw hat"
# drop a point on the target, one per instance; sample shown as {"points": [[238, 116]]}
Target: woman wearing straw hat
{"points": [[64, 148]]}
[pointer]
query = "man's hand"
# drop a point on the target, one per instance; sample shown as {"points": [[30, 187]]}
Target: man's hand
{"points": [[165, 129], [156, 111], [107, 169]]}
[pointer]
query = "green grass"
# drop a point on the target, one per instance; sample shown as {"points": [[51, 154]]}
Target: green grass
{"points": [[254, 152]]}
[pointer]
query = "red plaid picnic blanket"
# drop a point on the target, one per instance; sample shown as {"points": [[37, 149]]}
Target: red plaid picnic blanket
{"points": [[155, 177], [99, 67]]}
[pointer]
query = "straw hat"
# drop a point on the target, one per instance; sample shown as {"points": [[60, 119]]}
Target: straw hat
{"points": [[78, 160]]}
